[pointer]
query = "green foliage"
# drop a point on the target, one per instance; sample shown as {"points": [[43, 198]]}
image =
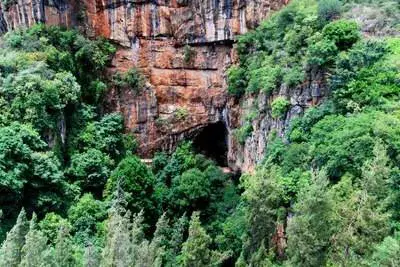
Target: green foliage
{"points": [[132, 79], [310, 229], [293, 76], [105, 135], [326, 194], [191, 188], [263, 75], [274, 53], [366, 76], [38, 96], [29, 174], [387, 253], [11, 249], [343, 33], [263, 199], [322, 53], [90, 169], [243, 132], [64, 249], [181, 114], [196, 250], [86, 217], [50, 80], [136, 179], [51, 224], [188, 54], [279, 107], [237, 81], [33, 251]]}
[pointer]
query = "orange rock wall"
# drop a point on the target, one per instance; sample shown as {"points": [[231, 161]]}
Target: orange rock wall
{"points": [[182, 46]]}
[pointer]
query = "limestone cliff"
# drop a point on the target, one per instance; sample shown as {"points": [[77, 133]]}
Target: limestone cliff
{"points": [[184, 48]]}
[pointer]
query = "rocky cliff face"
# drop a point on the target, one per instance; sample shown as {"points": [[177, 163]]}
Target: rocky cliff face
{"points": [[265, 127], [184, 48]]}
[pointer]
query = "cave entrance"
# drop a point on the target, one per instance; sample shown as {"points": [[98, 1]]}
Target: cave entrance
{"points": [[212, 142]]}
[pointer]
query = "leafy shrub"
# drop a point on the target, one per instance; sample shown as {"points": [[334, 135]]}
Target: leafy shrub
{"points": [[86, 216], [279, 107], [104, 135], [243, 132], [263, 77], [344, 33], [237, 81], [133, 79], [322, 53], [90, 170], [363, 77], [181, 113], [293, 76]]}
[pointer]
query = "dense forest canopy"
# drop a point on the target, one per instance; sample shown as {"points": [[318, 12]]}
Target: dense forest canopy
{"points": [[74, 193]]}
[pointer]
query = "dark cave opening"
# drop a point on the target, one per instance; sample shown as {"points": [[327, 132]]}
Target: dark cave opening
{"points": [[212, 142]]}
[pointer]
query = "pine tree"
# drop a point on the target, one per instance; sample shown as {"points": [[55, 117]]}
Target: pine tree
{"points": [[91, 256], [117, 250], [309, 230], [11, 249], [151, 254], [263, 198], [64, 249], [175, 241], [35, 246], [196, 251], [376, 172], [362, 219]]}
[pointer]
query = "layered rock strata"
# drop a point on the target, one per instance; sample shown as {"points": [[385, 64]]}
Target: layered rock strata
{"points": [[184, 48]]}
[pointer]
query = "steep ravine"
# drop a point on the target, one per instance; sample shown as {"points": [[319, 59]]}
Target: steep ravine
{"points": [[184, 48]]}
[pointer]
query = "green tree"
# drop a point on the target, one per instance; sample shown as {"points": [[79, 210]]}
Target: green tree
{"points": [[33, 251], [136, 179], [175, 239], [91, 257], [51, 224], [344, 33], [39, 96], [195, 250], [191, 189], [11, 249], [90, 169], [64, 250], [105, 135], [362, 216], [28, 174], [310, 229], [118, 245], [263, 198], [86, 217], [387, 253]]}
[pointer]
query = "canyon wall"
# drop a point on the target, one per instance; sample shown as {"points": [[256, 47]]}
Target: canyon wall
{"points": [[184, 48]]}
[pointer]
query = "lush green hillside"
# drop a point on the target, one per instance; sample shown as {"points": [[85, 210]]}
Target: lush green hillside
{"points": [[328, 194]]}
